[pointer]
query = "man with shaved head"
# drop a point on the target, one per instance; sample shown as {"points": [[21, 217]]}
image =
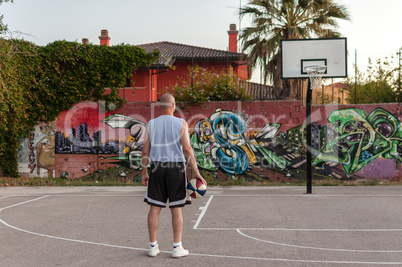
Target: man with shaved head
{"points": [[167, 99], [166, 148]]}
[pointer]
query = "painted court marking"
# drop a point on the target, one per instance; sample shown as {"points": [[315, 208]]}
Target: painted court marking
{"points": [[22, 203], [204, 210], [239, 230], [318, 248]]}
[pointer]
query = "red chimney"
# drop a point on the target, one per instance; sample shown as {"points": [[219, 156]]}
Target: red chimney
{"points": [[233, 38], [104, 38]]}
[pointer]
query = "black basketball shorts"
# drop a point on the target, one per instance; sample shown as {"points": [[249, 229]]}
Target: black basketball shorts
{"points": [[167, 184]]}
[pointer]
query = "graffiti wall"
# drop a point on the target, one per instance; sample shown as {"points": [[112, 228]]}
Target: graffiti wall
{"points": [[231, 140], [37, 153]]}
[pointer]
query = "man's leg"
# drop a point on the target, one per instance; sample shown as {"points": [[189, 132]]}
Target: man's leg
{"points": [[177, 223], [153, 222]]}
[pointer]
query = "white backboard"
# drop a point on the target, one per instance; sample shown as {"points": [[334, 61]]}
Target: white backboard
{"points": [[297, 54]]}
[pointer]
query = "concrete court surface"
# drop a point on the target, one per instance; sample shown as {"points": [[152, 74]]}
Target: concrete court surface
{"points": [[230, 226]]}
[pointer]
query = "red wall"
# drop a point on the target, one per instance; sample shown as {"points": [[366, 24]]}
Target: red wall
{"points": [[143, 80], [180, 70]]}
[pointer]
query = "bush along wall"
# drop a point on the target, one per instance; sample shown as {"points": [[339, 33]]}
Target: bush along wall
{"points": [[38, 82]]}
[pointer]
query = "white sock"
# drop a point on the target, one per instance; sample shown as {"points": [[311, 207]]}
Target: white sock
{"points": [[153, 243], [175, 245]]}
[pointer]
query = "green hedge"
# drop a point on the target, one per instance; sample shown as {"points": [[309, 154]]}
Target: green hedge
{"points": [[37, 83]]}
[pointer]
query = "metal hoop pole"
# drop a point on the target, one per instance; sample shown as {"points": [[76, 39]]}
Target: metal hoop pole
{"points": [[315, 73], [308, 138]]}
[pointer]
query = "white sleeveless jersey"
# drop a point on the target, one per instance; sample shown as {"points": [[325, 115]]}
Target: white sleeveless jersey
{"points": [[164, 135]]}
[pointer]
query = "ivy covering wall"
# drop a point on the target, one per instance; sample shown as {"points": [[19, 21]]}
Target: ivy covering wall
{"points": [[38, 82]]}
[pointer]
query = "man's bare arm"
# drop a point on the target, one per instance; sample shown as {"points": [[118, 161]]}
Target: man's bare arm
{"points": [[146, 148], [188, 152]]}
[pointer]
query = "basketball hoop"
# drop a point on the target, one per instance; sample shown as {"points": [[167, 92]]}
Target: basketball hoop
{"points": [[315, 73]]}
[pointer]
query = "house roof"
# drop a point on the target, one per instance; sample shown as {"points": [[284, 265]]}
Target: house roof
{"points": [[171, 52]]}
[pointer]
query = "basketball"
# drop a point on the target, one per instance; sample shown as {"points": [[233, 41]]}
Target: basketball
{"points": [[196, 188]]}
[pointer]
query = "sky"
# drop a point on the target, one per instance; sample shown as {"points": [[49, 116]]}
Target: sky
{"points": [[374, 29]]}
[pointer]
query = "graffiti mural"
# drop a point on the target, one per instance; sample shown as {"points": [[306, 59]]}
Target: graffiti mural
{"points": [[347, 143], [133, 144], [220, 142], [361, 139], [31, 156], [124, 148], [37, 152]]}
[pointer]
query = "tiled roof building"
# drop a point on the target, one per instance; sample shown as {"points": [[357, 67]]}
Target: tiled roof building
{"points": [[151, 82], [170, 52]]}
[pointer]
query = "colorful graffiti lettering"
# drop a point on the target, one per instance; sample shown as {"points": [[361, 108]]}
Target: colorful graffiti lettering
{"points": [[220, 141], [361, 139], [37, 152], [31, 154]]}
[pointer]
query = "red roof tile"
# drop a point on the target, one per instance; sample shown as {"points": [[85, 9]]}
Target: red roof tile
{"points": [[170, 52]]}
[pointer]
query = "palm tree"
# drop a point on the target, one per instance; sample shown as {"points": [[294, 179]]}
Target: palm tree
{"points": [[276, 20]]}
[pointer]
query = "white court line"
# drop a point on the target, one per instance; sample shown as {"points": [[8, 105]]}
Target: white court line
{"points": [[204, 210], [309, 195], [197, 254], [55, 237], [21, 203], [317, 248], [95, 195], [194, 254], [299, 261], [5, 197], [69, 239], [302, 230]]}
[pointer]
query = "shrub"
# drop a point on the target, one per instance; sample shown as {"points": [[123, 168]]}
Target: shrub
{"points": [[202, 85], [37, 83]]}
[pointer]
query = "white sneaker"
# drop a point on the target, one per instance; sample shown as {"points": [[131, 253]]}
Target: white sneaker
{"points": [[179, 252], [153, 251]]}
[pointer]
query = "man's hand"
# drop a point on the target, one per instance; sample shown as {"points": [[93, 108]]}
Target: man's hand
{"points": [[198, 176], [145, 178]]}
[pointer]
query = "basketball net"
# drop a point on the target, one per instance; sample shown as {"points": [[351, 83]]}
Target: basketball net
{"points": [[315, 74]]}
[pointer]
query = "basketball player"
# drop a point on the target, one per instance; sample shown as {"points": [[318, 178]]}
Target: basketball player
{"points": [[166, 147]]}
